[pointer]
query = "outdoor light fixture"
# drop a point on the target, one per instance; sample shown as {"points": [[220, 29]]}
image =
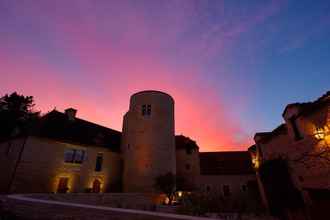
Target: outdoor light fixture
{"points": [[179, 193], [319, 133], [255, 162]]}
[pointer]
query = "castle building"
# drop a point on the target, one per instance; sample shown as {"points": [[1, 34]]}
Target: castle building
{"points": [[65, 154], [303, 142]]}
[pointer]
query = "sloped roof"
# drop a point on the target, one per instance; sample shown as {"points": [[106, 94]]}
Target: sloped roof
{"points": [[225, 163], [267, 136], [183, 142], [307, 108], [56, 125]]}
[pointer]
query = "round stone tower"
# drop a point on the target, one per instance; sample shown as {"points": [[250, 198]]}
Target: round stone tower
{"points": [[148, 142]]}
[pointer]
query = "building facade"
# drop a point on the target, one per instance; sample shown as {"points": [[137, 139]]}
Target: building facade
{"points": [[65, 154], [303, 142]]}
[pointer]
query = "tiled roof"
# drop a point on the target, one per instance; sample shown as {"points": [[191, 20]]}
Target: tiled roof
{"points": [[56, 125], [225, 163]]}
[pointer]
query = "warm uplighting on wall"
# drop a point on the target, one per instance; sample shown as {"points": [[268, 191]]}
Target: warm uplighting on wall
{"points": [[322, 133], [96, 181], [57, 179], [255, 162]]}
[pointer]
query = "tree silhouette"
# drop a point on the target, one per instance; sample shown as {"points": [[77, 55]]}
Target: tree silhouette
{"points": [[16, 115]]}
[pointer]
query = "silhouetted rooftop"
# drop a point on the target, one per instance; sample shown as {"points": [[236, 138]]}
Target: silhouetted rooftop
{"points": [[307, 108], [56, 125]]}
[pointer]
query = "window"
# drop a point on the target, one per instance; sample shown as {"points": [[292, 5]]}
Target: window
{"points": [[99, 161], [146, 110], [187, 166], [74, 156], [208, 188], [226, 190], [79, 156], [296, 132], [244, 188]]}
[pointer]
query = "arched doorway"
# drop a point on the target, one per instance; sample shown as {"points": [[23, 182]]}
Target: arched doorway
{"points": [[96, 186]]}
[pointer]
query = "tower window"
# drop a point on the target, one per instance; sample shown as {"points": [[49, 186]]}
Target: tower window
{"points": [[99, 161], [146, 110]]}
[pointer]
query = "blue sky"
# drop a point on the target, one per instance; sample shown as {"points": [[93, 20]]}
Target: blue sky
{"points": [[232, 66]]}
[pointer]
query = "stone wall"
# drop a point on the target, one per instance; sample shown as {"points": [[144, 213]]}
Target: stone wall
{"points": [[42, 165], [148, 143]]}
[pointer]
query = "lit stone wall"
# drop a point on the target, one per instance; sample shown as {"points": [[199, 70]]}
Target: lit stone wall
{"points": [[308, 172], [42, 165], [148, 141]]}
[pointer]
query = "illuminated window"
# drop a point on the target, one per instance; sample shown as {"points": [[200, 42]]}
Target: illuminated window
{"points": [[74, 156], [99, 161]]}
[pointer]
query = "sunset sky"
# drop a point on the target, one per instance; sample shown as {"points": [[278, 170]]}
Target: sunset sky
{"points": [[231, 66]]}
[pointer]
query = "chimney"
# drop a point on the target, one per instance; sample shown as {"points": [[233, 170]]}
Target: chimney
{"points": [[71, 113]]}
